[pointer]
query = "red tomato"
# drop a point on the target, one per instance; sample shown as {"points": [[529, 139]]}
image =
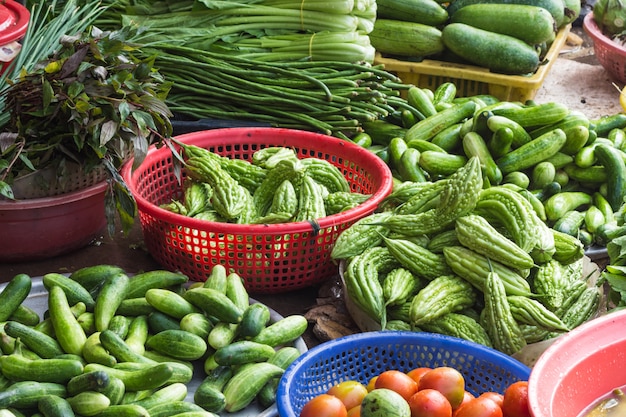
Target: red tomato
{"points": [[495, 396], [479, 407], [417, 373], [397, 381], [466, 397], [515, 402], [429, 403], [350, 393], [446, 380], [324, 405]]}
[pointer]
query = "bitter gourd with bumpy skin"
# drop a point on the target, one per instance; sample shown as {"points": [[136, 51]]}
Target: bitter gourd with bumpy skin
{"points": [[476, 233], [417, 259], [475, 267], [229, 197], [457, 198], [444, 294], [459, 325], [364, 288], [497, 318], [365, 233], [398, 286]]}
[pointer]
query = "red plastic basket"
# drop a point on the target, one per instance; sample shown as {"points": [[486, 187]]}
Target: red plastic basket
{"points": [[270, 258], [610, 55]]}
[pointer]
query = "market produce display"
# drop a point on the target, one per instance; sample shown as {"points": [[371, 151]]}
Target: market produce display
{"points": [[569, 167], [110, 344], [275, 186], [509, 37], [453, 257], [422, 391]]}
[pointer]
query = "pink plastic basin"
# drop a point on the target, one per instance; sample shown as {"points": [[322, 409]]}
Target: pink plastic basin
{"points": [[41, 228], [579, 368], [14, 20]]}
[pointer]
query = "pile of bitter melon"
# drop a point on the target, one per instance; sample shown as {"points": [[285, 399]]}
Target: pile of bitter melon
{"points": [[455, 257]]}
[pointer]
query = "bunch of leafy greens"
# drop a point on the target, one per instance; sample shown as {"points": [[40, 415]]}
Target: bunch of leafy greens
{"points": [[92, 103]]}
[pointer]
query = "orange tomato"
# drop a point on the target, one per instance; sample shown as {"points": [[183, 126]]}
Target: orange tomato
{"points": [[350, 392], [429, 403], [397, 381], [479, 407], [495, 396], [417, 373], [324, 405], [515, 402], [446, 380]]}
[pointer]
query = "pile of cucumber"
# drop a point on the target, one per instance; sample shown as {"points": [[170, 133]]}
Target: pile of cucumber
{"points": [[505, 36], [114, 345], [570, 167]]}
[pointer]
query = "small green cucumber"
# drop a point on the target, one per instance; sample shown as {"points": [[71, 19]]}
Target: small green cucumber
{"points": [[13, 294], [178, 344]]}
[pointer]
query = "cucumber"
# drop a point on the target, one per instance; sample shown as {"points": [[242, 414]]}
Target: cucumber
{"points": [[613, 160], [531, 24], [178, 344], [145, 378], [254, 319], [407, 39], [141, 283], [89, 403], [427, 128], [215, 304], [74, 291], [242, 352], [13, 294], [26, 394], [171, 303], [533, 152], [499, 53], [555, 7], [283, 331], [54, 406], [427, 12], [42, 344], [18, 368]]}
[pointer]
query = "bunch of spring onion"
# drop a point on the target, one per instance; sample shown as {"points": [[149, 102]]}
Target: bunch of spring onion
{"points": [[330, 97], [49, 21], [268, 30]]}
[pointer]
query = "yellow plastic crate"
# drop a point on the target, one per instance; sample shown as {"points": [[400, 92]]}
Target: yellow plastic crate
{"points": [[473, 80]]}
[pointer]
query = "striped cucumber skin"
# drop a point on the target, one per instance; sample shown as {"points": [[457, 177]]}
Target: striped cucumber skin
{"points": [[499, 53], [396, 37], [531, 24]]}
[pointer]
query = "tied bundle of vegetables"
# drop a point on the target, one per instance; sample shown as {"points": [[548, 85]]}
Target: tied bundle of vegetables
{"points": [[268, 30], [329, 97]]}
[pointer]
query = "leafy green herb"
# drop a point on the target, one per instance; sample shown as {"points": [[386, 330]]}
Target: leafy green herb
{"points": [[93, 103]]}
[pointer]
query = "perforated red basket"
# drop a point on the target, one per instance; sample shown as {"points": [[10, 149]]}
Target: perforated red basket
{"points": [[270, 258], [610, 55]]}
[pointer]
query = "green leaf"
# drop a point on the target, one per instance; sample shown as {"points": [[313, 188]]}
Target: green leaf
{"points": [[47, 94], [6, 190], [124, 110], [108, 131]]}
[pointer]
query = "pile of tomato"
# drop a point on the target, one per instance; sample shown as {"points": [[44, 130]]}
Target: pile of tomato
{"points": [[429, 392]]}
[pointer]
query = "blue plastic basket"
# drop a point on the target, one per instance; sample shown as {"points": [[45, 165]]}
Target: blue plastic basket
{"points": [[365, 355]]}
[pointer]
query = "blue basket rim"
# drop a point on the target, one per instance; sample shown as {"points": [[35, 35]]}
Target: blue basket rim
{"points": [[282, 394]]}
